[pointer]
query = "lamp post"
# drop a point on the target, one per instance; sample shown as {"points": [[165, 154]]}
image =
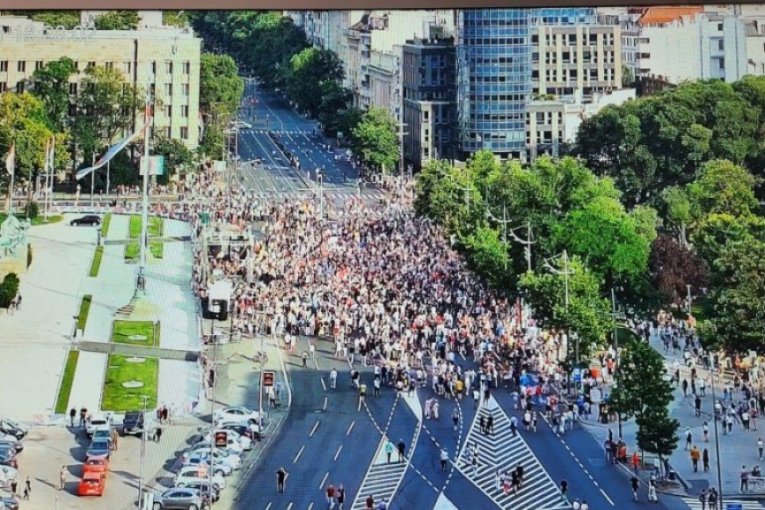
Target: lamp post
{"points": [[566, 272], [92, 181], [145, 197], [717, 441], [616, 348], [142, 453]]}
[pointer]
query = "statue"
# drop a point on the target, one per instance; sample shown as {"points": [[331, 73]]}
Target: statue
{"points": [[13, 234]]}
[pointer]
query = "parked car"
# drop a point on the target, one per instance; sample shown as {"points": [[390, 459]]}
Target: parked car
{"points": [[218, 454], [12, 442], [239, 124], [7, 475], [95, 421], [92, 484], [203, 489], [178, 499], [10, 427], [200, 461], [90, 220], [8, 457], [237, 414], [98, 449], [8, 500], [232, 445], [231, 437], [102, 432], [134, 423], [96, 465], [190, 474], [248, 430]]}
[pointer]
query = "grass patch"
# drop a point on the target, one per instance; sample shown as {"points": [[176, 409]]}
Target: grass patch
{"points": [[105, 224], [96, 264], [40, 220], [156, 226], [82, 318], [119, 370], [66, 382], [123, 330], [132, 251]]}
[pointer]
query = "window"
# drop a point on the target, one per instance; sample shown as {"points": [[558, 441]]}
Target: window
{"points": [[187, 68], [169, 110], [169, 89], [3, 87], [721, 44], [39, 65], [719, 27], [21, 66], [169, 67], [185, 89], [73, 88], [20, 87], [76, 65], [109, 65], [128, 66], [3, 66], [153, 68], [91, 65], [184, 133], [722, 64]]}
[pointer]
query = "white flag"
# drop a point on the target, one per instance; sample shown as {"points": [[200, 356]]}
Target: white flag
{"points": [[10, 160]]}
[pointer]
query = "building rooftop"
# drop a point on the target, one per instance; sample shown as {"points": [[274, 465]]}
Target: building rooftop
{"points": [[664, 14]]}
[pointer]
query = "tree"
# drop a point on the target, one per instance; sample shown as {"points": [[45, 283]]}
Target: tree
{"points": [[23, 122], [50, 84], [722, 187], [175, 18], [117, 20], [375, 139], [177, 157], [739, 299], [657, 432], [64, 19], [678, 207], [640, 389], [717, 231], [106, 107], [487, 256], [307, 69], [673, 266], [220, 87]]}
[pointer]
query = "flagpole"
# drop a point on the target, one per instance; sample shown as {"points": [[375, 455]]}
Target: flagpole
{"points": [[10, 166], [145, 211]]}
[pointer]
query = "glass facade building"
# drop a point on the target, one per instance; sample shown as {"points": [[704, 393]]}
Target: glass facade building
{"points": [[494, 67]]}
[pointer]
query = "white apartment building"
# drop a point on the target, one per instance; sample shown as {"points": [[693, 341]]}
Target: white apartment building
{"points": [[553, 124], [164, 59], [687, 46]]}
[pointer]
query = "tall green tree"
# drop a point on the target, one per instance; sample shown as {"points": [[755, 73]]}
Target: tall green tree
{"points": [[722, 187], [50, 84], [657, 432], [375, 139], [220, 86], [178, 157], [309, 69]]}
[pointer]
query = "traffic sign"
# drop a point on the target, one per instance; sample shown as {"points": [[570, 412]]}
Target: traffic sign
{"points": [[268, 379]]}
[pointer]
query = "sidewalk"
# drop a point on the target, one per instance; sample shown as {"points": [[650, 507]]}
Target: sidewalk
{"points": [[736, 450]]}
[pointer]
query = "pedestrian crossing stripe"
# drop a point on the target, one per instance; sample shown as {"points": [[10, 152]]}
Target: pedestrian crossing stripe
{"points": [[282, 132], [328, 196], [695, 504], [382, 479], [504, 452]]}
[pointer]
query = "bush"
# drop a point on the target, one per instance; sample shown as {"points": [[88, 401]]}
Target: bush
{"points": [[32, 210], [8, 289]]}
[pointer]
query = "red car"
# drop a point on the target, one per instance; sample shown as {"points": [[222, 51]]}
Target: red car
{"points": [[92, 484], [95, 466]]}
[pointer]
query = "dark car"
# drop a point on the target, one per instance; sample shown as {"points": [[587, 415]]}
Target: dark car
{"points": [[133, 423], [242, 430], [90, 220], [8, 457], [99, 449], [12, 428]]}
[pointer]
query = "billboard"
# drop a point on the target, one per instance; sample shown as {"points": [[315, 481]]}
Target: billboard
{"points": [[156, 165]]}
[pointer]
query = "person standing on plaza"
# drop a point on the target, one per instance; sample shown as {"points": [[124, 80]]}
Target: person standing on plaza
{"points": [[705, 459], [444, 460], [482, 424], [389, 449], [703, 499], [744, 479], [688, 438], [72, 415], [635, 484], [652, 489], [330, 496], [705, 430], [62, 478], [340, 496], [490, 424], [695, 456], [401, 450], [333, 378], [456, 418], [760, 447]]}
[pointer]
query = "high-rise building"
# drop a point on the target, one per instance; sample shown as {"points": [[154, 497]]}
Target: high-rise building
{"points": [[428, 71]]}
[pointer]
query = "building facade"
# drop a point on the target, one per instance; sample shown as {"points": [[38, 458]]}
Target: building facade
{"points": [[428, 69], [165, 59]]}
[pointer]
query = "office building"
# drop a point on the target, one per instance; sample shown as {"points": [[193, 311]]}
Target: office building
{"points": [[165, 59]]}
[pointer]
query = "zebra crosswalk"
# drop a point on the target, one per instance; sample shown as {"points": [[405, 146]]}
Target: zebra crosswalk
{"points": [[695, 504], [501, 452], [329, 196], [382, 478]]}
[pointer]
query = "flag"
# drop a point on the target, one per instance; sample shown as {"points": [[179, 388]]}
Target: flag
{"points": [[50, 155], [10, 160], [114, 150]]}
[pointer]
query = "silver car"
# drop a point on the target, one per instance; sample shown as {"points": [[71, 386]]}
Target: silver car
{"points": [[178, 499]]}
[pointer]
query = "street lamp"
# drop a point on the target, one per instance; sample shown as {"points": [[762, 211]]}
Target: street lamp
{"points": [[616, 348], [142, 453], [717, 441]]}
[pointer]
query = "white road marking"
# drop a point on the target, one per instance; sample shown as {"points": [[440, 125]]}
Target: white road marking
{"points": [[325, 403], [350, 427], [337, 453], [323, 384], [321, 485], [606, 496], [315, 426], [294, 461]]}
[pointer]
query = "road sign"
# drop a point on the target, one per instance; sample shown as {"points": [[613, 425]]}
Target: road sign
{"points": [[268, 379], [156, 165]]}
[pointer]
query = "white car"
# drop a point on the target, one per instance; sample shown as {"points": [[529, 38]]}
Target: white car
{"points": [[219, 455], [191, 474], [7, 475], [197, 460], [236, 414], [96, 421], [240, 124], [233, 440]]}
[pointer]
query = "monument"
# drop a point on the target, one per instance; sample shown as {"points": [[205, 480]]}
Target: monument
{"points": [[14, 246]]}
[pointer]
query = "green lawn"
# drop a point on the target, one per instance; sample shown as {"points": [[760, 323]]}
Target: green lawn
{"points": [[156, 226], [123, 330], [96, 265], [132, 251], [105, 224], [82, 319], [66, 382], [40, 220], [119, 370]]}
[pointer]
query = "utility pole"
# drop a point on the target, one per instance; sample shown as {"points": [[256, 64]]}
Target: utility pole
{"points": [[142, 453], [145, 193], [566, 272], [92, 181], [504, 222], [214, 381], [616, 348], [717, 440], [527, 244], [690, 302]]}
